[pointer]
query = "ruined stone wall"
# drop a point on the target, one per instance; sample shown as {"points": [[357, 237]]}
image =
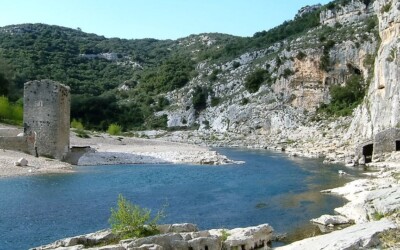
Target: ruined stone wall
{"points": [[17, 144], [47, 113], [385, 141]]}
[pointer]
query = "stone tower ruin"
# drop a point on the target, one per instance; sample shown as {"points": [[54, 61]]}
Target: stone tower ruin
{"points": [[47, 117]]}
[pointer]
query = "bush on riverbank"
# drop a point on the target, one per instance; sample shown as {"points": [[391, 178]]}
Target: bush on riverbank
{"points": [[128, 220]]}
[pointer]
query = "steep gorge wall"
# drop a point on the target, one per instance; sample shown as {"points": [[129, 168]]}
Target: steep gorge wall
{"points": [[279, 107], [381, 107]]}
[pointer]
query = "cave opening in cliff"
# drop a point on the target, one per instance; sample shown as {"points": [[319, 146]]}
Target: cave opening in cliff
{"points": [[353, 69], [398, 145], [367, 152]]}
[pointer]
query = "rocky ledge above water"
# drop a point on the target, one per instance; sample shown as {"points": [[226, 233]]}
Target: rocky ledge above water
{"points": [[173, 236]]}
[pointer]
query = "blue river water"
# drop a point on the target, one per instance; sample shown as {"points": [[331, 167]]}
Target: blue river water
{"points": [[269, 188]]}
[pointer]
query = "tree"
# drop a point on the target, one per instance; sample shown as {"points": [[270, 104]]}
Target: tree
{"points": [[199, 98], [5, 78]]}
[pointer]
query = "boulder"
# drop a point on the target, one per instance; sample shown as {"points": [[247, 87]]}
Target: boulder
{"points": [[331, 219], [248, 238], [22, 162]]}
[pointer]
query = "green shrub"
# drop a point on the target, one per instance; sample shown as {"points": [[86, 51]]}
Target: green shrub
{"points": [[372, 22], [214, 75], [206, 124], [377, 216], [4, 108], [244, 101], [162, 103], [325, 63], [215, 101], [386, 7], [224, 235], [253, 81], [345, 98], [114, 129], [236, 64], [157, 122], [301, 55], [10, 113], [76, 124], [128, 220], [287, 72], [199, 98]]}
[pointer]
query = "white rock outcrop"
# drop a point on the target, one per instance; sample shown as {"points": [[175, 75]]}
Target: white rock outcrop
{"points": [[176, 236], [380, 109], [360, 236]]}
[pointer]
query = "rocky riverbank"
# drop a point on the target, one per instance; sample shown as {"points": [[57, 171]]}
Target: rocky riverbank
{"points": [[175, 236], [374, 207]]}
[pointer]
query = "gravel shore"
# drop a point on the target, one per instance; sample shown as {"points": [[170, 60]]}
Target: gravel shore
{"points": [[112, 150], [35, 165]]}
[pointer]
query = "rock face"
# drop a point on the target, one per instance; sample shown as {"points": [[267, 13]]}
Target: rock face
{"points": [[175, 236], [380, 109], [346, 14], [362, 236], [282, 113], [248, 238]]}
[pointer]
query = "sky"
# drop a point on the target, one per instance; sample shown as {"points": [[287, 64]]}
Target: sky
{"points": [[160, 19]]}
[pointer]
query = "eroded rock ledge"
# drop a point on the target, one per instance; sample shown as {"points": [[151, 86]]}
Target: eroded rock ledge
{"points": [[175, 236]]}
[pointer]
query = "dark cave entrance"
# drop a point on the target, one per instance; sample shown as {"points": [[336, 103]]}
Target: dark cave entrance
{"points": [[353, 69], [367, 152], [398, 145]]}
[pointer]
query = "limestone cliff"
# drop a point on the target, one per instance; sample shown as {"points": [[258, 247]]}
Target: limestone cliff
{"points": [[381, 107], [301, 71]]}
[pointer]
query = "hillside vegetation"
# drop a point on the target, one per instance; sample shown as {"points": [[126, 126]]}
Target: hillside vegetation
{"points": [[125, 81]]}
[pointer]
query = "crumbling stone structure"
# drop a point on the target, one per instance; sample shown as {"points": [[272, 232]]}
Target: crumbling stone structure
{"points": [[47, 117], [386, 141]]}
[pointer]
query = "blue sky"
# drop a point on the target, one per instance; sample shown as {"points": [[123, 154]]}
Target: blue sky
{"points": [[161, 19]]}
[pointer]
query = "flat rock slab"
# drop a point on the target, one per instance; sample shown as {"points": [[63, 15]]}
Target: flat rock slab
{"points": [[359, 236], [331, 219]]}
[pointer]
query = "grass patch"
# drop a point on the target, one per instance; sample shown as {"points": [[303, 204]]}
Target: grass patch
{"points": [[377, 216]]}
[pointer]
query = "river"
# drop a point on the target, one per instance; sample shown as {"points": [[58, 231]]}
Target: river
{"points": [[269, 188]]}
